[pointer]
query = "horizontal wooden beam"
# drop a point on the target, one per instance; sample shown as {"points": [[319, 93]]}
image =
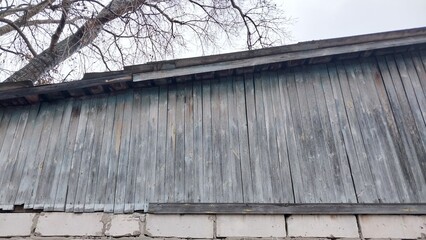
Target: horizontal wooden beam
{"points": [[298, 47], [11, 93], [279, 58], [265, 208]]}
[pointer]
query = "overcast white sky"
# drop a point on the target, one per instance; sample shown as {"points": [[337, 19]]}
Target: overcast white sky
{"points": [[316, 19], [322, 19]]}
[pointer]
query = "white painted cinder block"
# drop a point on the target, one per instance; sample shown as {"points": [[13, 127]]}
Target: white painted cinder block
{"points": [[123, 225], [183, 226], [69, 224], [392, 226], [250, 226], [16, 224], [337, 226]]}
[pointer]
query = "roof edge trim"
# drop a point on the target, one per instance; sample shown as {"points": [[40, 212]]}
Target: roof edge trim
{"points": [[280, 57]]}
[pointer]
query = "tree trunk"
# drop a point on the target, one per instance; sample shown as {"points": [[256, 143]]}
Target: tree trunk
{"points": [[48, 59]]}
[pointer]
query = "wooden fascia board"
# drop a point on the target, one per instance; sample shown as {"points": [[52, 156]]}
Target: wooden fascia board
{"points": [[51, 88], [291, 208], [278, 58]]}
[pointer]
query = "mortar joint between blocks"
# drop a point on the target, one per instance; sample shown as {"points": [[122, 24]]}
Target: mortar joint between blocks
{"points": [[359, 227], [34, 224], [106, 223], [286, 224], [214, 218]]}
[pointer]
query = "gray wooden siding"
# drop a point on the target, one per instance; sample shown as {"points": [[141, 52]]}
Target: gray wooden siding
{"points": [[347, 132]]}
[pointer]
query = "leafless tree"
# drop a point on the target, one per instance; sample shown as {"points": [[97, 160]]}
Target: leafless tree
{"points": [[38, 36]]}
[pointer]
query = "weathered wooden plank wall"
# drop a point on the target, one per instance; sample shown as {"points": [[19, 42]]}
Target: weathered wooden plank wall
{"points": [[346, 132]]}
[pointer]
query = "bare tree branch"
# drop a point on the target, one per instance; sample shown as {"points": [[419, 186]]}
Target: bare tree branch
{"points": [[29, 13], [102, 56], [61, 25], [87, 35], [13, 25], [13, 52]]}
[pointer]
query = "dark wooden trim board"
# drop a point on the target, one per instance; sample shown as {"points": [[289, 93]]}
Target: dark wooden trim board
{"points": [[291, 48], [279, 58], [266, 208]]}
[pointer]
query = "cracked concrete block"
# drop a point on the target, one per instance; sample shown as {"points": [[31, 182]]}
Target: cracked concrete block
{"points": [[70, 224], [250, 226], [182, 226], [335, 226], [123, 225], [392, 226], [16, 224]]}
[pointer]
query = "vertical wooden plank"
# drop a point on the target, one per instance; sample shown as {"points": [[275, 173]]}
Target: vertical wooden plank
{"points": [[276, 177], [123, 157], [406, 127], [140, 193], [255, 159], [189, 168], [169, 181], [40, 156], [414, 93], [338, 168], [236, 195], [92, 181], [414, 80], [388, 132], [420, 68], [241, 121], [27, 181], [330, 186], [279, 120], [407, 190], [49, 166], [364, 181], [180, 145], [106, 145], [12, 160], [2, 111], [77, 157], [7, 113], [208, 187], [422, 59], [58, 157], [198, 143], [17, 173], [160, 179], [8, 139], [4, 130], [224, 156], [134, 153], [65, 174], [368, 114], [216, 149], [286, 82], [410, 120], [306, 136], [86, 157], [335, 130], [410, 94], [152, 142], [262, 140], [114, 154], [8, 128]]}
